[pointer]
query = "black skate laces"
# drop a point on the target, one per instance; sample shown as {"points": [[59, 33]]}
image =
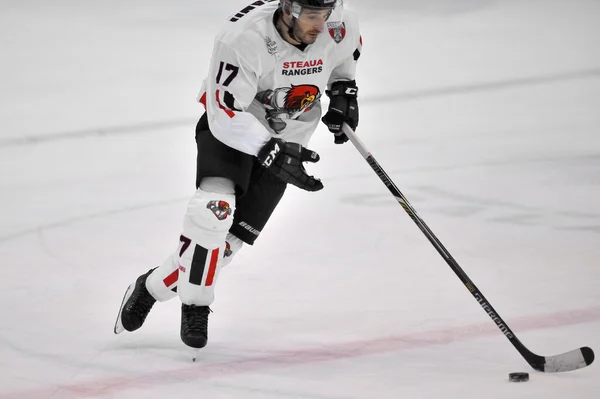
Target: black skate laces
{"points": [[195, 318], [141, 303]]}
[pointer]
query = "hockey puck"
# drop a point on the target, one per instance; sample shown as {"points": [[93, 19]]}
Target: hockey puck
{"points": [[518, 377]]}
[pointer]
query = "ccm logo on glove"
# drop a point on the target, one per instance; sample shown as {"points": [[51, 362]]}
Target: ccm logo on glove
{"points": [[285, 160], [272, 155]]}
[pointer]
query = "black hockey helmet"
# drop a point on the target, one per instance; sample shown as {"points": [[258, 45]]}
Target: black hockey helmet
{"points": [[294, 7], [317, 3]]}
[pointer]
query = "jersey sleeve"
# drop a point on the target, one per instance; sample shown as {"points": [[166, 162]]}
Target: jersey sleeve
{"points": [[227, 93], [346, 69]]}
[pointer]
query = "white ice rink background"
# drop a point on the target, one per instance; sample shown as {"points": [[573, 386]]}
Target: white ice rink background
{"points": [[485, 113]]}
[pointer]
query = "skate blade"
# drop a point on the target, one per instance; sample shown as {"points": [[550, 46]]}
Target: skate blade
{"points": [[118, 325], [194, 353]]}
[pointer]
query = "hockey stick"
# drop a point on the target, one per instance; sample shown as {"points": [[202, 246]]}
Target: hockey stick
{"points": [[568, 361]]}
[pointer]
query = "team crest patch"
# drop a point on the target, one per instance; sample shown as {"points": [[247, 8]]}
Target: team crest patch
{"points": [[337, 30], [287, 103], [221, 209]]}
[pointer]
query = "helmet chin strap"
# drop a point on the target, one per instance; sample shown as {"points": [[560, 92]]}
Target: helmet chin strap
{"points": [[290, 31]]}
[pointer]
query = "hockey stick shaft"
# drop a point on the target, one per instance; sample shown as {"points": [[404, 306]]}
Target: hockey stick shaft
{"points": [[579, 358]]}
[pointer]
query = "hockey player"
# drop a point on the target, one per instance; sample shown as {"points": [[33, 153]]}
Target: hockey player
{"points": [[269, 68]]}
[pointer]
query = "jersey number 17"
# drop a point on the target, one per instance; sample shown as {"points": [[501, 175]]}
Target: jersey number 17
{"points": [[232, 68]]}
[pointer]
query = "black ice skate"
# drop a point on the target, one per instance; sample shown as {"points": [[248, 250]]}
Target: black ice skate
{"points": [[194, 325], [135, 306]]}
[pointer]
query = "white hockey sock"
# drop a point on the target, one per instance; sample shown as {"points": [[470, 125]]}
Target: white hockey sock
{"points": [[208, 218]]}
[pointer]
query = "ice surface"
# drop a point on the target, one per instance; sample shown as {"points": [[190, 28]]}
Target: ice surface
{"points": [[485, 113]]}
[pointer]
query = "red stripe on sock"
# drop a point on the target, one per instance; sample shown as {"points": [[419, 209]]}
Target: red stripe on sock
{"points": [[214, 258], [171, 278]]}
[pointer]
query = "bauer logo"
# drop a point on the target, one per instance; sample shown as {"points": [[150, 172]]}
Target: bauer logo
{"points": [[251, 229], [220, 209]]}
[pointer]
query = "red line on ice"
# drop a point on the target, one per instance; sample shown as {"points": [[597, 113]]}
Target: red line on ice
{"points": [[196, 372]]}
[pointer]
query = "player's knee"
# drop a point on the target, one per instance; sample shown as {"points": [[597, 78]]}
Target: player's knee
{"points": [[232, 246], [209, 217]]}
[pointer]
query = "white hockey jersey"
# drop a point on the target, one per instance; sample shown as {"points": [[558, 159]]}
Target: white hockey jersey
{"points": [[261, 86]]}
